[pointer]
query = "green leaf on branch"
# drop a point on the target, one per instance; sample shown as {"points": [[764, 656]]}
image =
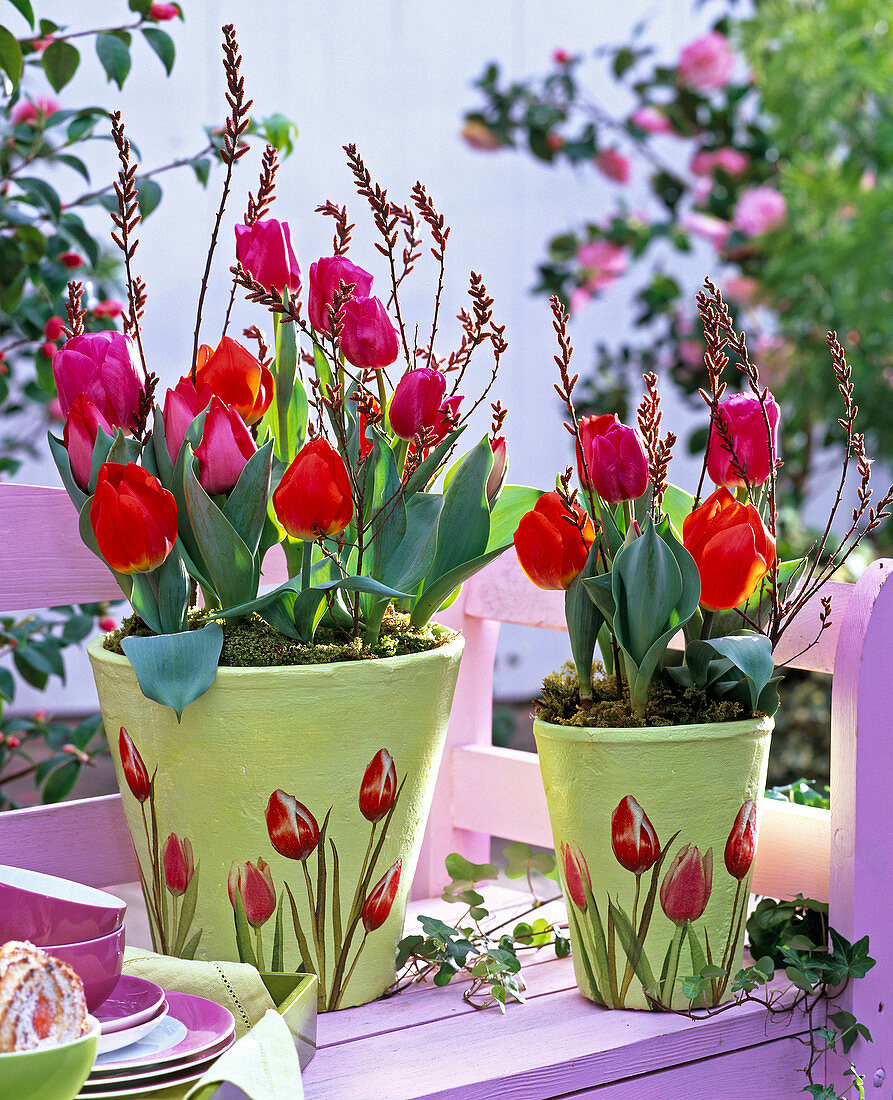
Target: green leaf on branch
{"points": [[60, 62], [149, 195], [11, 61], [114, 56], [25, 9], [176, 669], [163, 45]]}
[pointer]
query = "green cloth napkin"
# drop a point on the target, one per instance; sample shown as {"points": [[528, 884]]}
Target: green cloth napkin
{"points": [[263, 1062]]}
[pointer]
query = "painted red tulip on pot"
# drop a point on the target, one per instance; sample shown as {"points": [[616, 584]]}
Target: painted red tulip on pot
{"points": [[264, 250], [575, 867], [313, 499], [224, 450], [101, 365], [743, 417], [379, 787], [237, 378], [254, 884], [731, 547], [615, 459], [742, 843], [380, 901], [182, 405], [326, 275], [179, 865], [685, 890], [133, 517], [633, 837], [293, 830], [135, 771], [552, 551], [79, 435], [416, 403], [368, 337]]}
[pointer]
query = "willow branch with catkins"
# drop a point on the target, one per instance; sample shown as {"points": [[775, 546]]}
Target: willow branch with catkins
{"points": [[75, 309], [343, 229], [126, 218], [440, 231], [659, 451]]}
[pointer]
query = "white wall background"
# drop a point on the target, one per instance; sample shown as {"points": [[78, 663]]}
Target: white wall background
{"points": [[394, 77]]}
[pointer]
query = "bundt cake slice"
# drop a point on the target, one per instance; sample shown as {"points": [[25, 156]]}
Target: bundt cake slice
{"points": [[41, 999]]}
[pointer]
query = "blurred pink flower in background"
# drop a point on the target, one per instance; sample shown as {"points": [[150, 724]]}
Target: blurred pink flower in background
{"points": [[691, 353], [732, 161], [27, 110], [711, 229], [652, 121], [706, 64], [759, 210], [561, 57], [109, 307], [479, 136], [741, 288], [603, 262], [613, 164]]}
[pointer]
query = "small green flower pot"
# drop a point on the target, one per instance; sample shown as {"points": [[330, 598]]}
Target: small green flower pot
{"points": [[329, 896], [655, 831], [294, 996]]}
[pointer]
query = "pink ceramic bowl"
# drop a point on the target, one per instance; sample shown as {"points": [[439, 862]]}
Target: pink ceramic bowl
{"points": [[97, 962], [45, 909]]}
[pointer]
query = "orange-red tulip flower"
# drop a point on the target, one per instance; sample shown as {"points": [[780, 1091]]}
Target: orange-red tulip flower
{"points": [[313, 500], [552, 550], [236, 377], [732, 549], [133, 517]]}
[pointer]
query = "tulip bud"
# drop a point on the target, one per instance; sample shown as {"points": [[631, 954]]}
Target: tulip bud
{"points": [[368, 338], [731, 547], [416, 402], [254, 884], [224, 450], [326, 275], [182, 405], [633, 837], [179, 866], [551, 550], [264, 250], [135, 771], [742, 843], [237, 378], [380, 901], [754, 444], [500, 468], [685, 890], [313, 500], [575, 867], [79, 435], [133, 517], [615, 459], [293, 830], [379, 787], [101, 365]]}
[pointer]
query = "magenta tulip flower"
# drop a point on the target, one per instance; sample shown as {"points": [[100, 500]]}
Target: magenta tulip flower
{"points": [[615, 458], [182, 405], [416, 403], [743, 416], [101, 365], [224, 450], [79, 435], [326, 275], [264, 250], [368, 338]]}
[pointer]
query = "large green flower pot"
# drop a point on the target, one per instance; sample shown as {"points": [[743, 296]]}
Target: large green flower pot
{"points": [[655, 831], [200, 802]]}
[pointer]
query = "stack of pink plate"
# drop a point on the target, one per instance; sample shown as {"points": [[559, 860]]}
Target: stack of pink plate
{"points": [[152, 1039]]}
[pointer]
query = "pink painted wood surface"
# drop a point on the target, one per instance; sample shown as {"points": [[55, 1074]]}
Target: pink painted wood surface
{"points": [[43, 561]]}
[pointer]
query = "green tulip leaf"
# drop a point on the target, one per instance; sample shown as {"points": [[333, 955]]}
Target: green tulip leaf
{"points": [[584, 620], [677, 504], [176, 669], [599, 590], [412, 558], [145, 602], [386, 512], [163, 463], [506, 512], [428, 468], [751, 655], [102, 448], [173, 592], [246, 507], [436, 596]]}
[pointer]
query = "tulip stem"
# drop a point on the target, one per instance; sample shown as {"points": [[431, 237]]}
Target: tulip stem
{"points": [[400, 456], [258, 932], [353, 967], [708, 623], [382, 395], [628, 970], [314, 927], [731, 941], [306, 563]]}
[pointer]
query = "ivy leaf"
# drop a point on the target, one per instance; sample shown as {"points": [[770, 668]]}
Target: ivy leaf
{"points": [[163, 45], [114, 56], [60, 62]]}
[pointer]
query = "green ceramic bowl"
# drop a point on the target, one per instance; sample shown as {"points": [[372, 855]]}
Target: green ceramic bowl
{"points": [[49, 1073]]}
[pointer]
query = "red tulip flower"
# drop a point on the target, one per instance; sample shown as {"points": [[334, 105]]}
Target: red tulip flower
{"points": [[135, 771], [633, 837], [254, 884], [101, 365], [363, 428], [237, 378], [743, 417], [326, 275], [368, 337], [379, 787], [264, 250], [314, 500], [133, 517], [179, 865], [416, 403], [685, 890], [79, 435], [742, 843], [550, 549], [732, 549], [182, 405], [575, 867], [381, 900], [224, 450], [293, 830], [615, 459], [500, 468]]}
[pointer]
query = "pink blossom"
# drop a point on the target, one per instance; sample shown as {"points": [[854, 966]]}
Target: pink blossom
{"points": [[107, 623], [711, 229], [652, 121], [554, 142], [580, 297], [109, 307], [163, 12], [741, 288], [706, 64], [691, 353], [703, 187], [561, 57], [760, 210], [732, 161], [613, 164], [54, 410], [34, 111], [701, 163], [603, 262]]}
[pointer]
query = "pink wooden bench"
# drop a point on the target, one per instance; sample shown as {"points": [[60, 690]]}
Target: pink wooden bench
{"points": [[427, 1042]]}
